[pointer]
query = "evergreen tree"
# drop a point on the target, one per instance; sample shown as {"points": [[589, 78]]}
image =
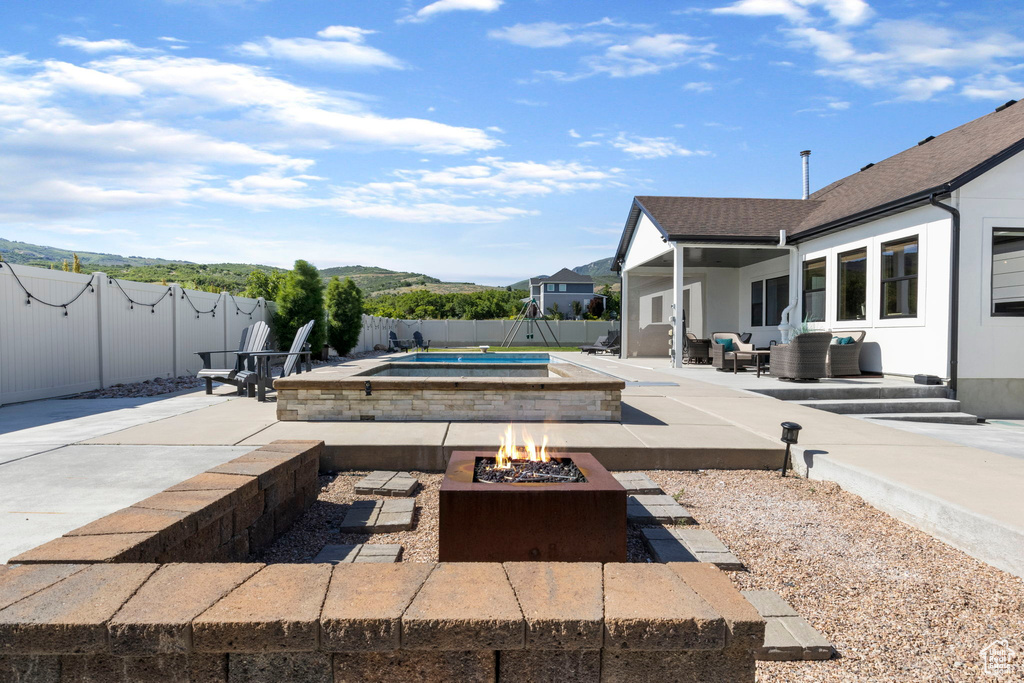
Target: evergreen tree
{"points": [[65, 267], [76, 266], [344, 314], [299, 300], [577, 308]]}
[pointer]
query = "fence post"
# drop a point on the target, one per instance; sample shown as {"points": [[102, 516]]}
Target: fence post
{"points": [[175, 329], [101, 341], [222, 304]]}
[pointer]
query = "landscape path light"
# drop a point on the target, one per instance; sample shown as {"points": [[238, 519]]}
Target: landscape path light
{"points": [[790, 435]]}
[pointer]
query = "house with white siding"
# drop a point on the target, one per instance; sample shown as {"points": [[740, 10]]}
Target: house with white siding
{"points": [[923, 250]]}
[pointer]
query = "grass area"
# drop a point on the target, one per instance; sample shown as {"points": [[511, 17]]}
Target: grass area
{"points": [[517, 349]]}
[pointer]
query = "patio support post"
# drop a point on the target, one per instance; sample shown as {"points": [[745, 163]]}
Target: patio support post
{"points": [[678, 315], [623, 320]]}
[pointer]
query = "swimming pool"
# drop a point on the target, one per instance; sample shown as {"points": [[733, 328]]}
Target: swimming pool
{"points": [[474, 357]]}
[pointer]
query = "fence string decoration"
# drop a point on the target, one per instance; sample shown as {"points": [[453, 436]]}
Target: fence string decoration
{"points": [[212, 311], [132, 302], [29, 296], [238, 309]]}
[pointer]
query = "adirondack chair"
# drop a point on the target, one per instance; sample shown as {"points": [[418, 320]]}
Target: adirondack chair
{"points": [[420, 344], [398, 344], [254, 338], [292, 361]]}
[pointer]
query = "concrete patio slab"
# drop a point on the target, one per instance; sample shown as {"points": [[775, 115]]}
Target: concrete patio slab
{"points": [[49, 494], [224, 424], [655, 410], [68, 421], [366, 445], [706, 447], [9, 452]]}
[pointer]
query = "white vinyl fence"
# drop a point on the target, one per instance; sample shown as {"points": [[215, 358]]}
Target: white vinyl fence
{"points": [[109, 332]]}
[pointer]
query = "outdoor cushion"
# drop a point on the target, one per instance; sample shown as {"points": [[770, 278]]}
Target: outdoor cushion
{"points": [[845, 340], [727, 343]]}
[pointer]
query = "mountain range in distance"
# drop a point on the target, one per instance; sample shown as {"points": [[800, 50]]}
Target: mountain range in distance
{"points": [[231, 277]]}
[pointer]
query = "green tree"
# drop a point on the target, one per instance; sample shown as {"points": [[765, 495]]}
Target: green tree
{"points": [[555, 312], [577, 308], [65, 267], [261, 283], [344, 314], [76, 266], [299, 300], [612, 303]]}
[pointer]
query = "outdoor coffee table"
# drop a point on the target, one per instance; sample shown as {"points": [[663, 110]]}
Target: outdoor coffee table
{"points": [[756, 356]]}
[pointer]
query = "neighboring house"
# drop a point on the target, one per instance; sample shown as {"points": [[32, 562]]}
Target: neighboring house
{"points": [[562, 289], [924, 251]]}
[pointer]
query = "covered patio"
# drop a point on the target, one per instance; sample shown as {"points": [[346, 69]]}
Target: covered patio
{"points": [[682, 255]]}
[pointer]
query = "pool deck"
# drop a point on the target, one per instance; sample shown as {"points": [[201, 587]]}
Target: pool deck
{"points": [[53, 451]]}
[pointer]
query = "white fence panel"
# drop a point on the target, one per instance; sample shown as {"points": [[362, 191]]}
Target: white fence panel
{"points": [[44, 352], [137, 339], [116, 331]]}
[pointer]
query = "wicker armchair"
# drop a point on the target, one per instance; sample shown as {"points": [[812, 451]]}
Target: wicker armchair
{"points": [[844, 359], [805, 357], [719, 356], [696, 350]]}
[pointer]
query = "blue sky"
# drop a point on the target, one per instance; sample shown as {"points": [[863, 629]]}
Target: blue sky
{"points": [[476, 140]]}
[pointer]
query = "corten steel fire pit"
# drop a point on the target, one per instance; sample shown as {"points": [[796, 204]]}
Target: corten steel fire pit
{"points": [[545, 522]]}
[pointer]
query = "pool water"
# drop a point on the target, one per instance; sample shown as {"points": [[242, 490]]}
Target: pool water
{"points": [[474, 357]]}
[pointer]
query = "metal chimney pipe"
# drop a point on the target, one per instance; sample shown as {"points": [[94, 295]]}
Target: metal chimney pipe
{"points": [[805, 156]]}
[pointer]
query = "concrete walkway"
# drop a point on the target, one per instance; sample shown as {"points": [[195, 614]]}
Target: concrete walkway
{"points": [[966, 496]]}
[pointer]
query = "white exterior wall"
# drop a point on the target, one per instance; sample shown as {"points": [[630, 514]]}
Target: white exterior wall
{"points": [[647, 243], [906, 346]]}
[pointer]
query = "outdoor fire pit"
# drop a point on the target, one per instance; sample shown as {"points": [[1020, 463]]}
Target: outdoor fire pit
{"points": [[560, 508]]}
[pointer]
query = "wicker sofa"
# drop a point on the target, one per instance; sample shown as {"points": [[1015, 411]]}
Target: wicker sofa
{"points": [[719, 356], [844, 359], [804, 357], [696, 350]]}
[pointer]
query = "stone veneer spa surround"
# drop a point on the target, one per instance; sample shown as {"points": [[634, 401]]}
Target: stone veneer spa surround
{"points": [[569, 393]]}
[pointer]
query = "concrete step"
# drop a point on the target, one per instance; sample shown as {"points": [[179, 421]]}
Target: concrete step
{"points": [[943, 418], [861, 406], [805, 392]]}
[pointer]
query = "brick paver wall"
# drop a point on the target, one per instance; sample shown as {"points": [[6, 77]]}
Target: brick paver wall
{"points": [[116, 622], [221, 515]]}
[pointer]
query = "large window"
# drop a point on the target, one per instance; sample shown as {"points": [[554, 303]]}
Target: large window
{"points": [[776, 297], [853, 288], [814, 290], [899, 278], [757, 303], [1008, 271]]}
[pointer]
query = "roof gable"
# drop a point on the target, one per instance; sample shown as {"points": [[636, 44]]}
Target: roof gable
{"points": [[566, 275]]}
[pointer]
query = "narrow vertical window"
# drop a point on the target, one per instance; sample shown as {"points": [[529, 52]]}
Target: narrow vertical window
{"points": [[776, 299], [814, 290], [853, 285], [899, 278], [757, 303], [1008, 271]]}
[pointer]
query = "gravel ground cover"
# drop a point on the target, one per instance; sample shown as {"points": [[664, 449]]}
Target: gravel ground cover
{"points": [[897, 604]]}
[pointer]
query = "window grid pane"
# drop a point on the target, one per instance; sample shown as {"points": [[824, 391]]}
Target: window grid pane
{"points": [[777, 298], [1008, 272], [756, 303], [852, 290], [814, 290], [899, 264]]}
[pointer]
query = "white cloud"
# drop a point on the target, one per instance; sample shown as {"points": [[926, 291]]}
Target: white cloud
{"points": [[573, 133], [995, 87], [629, 49], [921, 89], [698, 86], [352, 34], [640, 147], [171, 39], [846, 12], [442, 6], [65, 75], [204, 84], [547, 34], [349, 53], [98, 46]]}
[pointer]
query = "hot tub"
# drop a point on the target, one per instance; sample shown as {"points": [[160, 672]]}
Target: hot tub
{"points": [[417, 390]]}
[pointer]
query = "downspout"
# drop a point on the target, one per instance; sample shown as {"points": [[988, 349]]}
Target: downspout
{"points": [[954, 290], [785, 328]]}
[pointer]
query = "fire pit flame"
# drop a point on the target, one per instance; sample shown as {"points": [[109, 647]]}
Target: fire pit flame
{"points": [[510, 451]]}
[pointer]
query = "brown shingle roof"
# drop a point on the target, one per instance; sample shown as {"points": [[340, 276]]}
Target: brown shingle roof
{"points": [[695, 217], [940, 165]]}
